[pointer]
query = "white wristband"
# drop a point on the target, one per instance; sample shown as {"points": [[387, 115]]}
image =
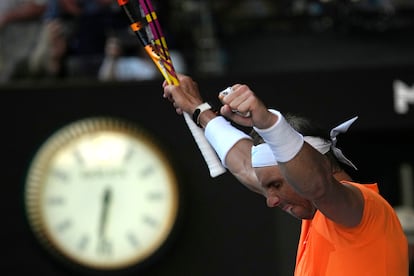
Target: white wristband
{"points": [[284, 141], [223, 136]]}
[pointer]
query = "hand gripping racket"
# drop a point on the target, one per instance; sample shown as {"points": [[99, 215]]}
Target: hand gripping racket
{"points": [[144, 22]]}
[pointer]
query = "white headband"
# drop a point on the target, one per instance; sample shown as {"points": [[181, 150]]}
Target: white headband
{"points": [[262, 155]]}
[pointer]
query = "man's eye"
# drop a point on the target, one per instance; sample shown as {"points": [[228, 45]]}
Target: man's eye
{"points": [[276, 185], [273, 185]]}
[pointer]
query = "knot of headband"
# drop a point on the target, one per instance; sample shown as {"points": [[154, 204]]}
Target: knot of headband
{"points": [[262, 155]]}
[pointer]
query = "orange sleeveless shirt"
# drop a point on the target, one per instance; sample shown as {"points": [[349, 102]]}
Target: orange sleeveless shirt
{"points": [[376, 247]]}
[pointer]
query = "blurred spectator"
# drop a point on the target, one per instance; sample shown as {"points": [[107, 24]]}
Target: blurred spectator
{"points": [[20, 26], [94, 21], [73, 38], [125, 59], [48, 58], [117, 65], [52, 50]]}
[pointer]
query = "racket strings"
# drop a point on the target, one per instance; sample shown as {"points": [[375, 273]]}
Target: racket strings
{"points": [[158, 41]]}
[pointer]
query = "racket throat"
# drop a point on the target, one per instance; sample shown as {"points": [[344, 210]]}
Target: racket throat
{"points": [[164, 66]]}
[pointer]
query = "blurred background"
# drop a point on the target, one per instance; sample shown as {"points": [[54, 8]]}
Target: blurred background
{"points": [[63, 60], [74, 39]]}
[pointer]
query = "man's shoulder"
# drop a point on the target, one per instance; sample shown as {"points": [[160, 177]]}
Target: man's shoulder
{"points": [[363, 186]]}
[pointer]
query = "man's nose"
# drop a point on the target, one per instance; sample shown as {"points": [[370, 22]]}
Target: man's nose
{"points": [[272, 201]]}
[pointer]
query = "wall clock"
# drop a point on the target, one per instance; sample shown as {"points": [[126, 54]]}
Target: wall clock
{"points": [[102, 195]]}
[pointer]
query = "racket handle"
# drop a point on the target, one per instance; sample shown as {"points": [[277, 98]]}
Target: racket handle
{"points": [[213, 162]]}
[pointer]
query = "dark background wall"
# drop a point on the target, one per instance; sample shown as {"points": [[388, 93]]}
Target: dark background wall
{"points": [[225, 229]]}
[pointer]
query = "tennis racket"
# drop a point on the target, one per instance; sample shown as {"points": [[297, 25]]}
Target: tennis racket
{"points": [[144, 23]]}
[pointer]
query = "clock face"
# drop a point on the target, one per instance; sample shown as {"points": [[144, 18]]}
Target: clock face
{"points": [[101, 194]]}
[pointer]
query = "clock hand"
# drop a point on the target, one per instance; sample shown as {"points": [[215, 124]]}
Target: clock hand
{"points": [[106, 200], [104, 246]]}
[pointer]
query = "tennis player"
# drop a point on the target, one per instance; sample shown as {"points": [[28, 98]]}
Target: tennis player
{"points": [[348, 228]]}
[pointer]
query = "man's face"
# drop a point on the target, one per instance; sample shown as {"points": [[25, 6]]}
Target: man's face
{"points": [[280, 194]]}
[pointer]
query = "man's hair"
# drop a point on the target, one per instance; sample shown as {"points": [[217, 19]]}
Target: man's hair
{"points": [[306, 127]]}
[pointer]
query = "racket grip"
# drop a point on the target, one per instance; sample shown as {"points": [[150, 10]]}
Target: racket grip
{"points": [[213, 162]]}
